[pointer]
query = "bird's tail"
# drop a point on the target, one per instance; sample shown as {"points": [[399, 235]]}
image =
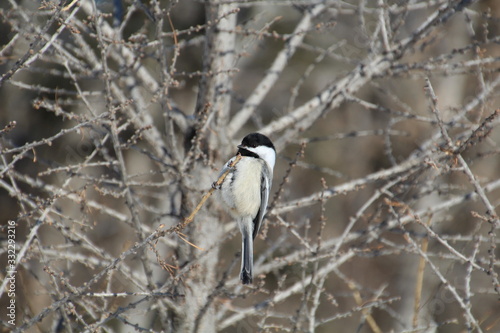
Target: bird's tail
{"points": [[246, 253]]}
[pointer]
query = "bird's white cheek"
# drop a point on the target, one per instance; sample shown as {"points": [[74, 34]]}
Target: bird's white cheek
{"points": [[267, 154]]}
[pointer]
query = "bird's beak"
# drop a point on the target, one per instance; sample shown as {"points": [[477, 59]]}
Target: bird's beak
{"points": [[241, 147]]}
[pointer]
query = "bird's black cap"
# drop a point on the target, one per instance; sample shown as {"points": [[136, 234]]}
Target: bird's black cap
{"points": [[256, 139]]}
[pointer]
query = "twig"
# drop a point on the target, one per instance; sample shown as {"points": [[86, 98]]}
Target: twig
{"points": [[433, 103], [207, 195], [273, 72], [420, 279], [366, 311], [445, 282]]}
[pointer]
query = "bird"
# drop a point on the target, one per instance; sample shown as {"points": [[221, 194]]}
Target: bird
{"points": [[245, 192]]}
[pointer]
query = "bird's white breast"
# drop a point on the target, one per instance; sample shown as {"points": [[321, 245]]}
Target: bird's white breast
{"points": [[241, 189]]}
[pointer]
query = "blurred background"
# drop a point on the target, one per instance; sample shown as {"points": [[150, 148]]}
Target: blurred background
{"points": [[116, 117]]}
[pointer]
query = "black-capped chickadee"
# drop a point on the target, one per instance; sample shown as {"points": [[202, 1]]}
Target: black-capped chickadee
{"points": [[245, 192]]}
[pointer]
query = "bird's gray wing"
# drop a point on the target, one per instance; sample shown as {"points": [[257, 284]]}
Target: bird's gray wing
{"points": [[265, 187]]}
